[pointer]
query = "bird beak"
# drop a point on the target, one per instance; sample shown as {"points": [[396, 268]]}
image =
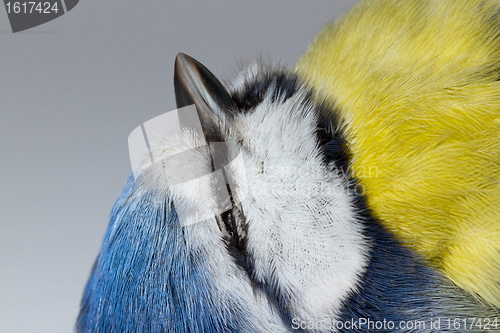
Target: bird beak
{"points": [[195, 84]]}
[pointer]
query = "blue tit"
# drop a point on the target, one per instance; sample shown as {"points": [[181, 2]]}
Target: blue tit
{"points": [[297, 245], [300, 252]]}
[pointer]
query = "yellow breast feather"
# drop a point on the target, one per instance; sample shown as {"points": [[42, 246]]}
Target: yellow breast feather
{"points": [[418, 85]]}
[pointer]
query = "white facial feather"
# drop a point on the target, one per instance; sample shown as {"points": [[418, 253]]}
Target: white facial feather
{"points": [[302, 230]]}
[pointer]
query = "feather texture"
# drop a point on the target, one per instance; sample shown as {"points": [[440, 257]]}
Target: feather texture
{"points": [[418, 84], [377, 157]]}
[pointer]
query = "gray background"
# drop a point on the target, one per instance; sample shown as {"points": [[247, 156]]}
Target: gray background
{"points": [[71, 91]]}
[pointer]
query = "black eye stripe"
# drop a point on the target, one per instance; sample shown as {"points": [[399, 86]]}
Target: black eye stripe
{"points": [[330, 131], [284, 86], [331, 137]]}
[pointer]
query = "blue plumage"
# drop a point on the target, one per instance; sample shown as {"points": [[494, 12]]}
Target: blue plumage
{"points": [[145, 279]]}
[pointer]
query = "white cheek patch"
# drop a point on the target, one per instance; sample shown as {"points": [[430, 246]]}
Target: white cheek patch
{"points": [[302, 228], [237, 178]]}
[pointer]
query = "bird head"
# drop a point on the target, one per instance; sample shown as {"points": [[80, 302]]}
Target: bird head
{"points": [[266, 229]]}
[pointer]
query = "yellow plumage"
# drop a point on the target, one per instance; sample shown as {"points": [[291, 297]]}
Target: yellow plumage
{"points": [[418, 84]]}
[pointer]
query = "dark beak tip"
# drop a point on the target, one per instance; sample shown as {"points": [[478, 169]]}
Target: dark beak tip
{"points": [[185, 63], [180, 61], [195, 84], [181, 57]]}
